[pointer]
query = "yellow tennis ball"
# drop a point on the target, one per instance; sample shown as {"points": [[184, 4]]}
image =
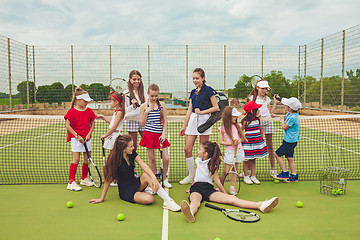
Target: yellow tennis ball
{"points": [[299, 204], [120, 217], [276, 180], [333, 192], [217, 238], [69, 204]]}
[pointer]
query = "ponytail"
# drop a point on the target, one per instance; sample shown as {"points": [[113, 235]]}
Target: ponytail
{"points": [[214, 152]]}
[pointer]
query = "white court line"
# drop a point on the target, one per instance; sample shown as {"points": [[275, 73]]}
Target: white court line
{"points": [[31, 138], [165, 224]]}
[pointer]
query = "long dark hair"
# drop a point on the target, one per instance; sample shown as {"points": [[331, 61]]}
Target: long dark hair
{"points": [[227, 122], [114, 160], [141, 86], [250, 116], [214, 153]]}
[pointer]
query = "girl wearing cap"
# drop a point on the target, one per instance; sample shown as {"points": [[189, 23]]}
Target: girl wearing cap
{"points": [[291, 126], [231, 136], [198, 113], [79, 123], [137, 96], [259, 96], [255, 146]]}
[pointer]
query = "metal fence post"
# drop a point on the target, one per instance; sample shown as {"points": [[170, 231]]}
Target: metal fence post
{"points": [[343, 72], [72, 68], [148, 65], [305, 74], [9, 66], [33, 48], [262, 61], [224, 68], [27, 78], [299, 73], [322, 73], [187, 72], [110, 68]]}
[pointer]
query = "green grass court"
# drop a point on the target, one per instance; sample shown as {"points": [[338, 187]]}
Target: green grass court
{"points": [[40, 212]]}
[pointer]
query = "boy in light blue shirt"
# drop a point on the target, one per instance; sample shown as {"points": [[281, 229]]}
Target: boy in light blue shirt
{"points": [[291, 126]]}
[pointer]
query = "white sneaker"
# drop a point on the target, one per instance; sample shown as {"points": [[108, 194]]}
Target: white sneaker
{"points": [[167, 184], [73, 186], [241, 174], [232, 190], [113, 184], [185, 208], [186, 180], [149, 190], [273, 172], [86, 182], [247, 180], [254, 179], [267, 205], [171, 205]]}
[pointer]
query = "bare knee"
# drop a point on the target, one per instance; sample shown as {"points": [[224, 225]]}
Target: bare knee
{"points": [[188, 151], [144, 198]]}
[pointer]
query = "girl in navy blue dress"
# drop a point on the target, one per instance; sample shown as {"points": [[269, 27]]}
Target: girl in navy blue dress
{"points": [[120, 168]]}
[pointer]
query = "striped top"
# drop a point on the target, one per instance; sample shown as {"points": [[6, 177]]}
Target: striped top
{"points": [[256, 146], [153, 121]]}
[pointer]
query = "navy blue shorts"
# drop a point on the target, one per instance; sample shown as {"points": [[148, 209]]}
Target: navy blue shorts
{"points": [[286, 149], [203, 188], [127, 190]]}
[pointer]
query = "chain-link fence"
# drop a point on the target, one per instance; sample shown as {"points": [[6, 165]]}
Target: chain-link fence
{"points": [[322, 74]]}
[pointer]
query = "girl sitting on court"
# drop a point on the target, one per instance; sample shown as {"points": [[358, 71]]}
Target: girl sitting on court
{"points": [[153, 117], [79, 123], [255, 147], [202, 189], [120, 168], [260, 96], [231, 136], [116, 100]]}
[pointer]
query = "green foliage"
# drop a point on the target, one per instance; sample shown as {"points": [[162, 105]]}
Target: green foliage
{"points": [[98, 92], [23, 91], [352, 91], [69, 92]]}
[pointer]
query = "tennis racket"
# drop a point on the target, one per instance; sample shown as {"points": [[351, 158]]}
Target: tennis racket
{"points": [[93, 170], [232, 177], [103, 151], [236, 214], [255, 79], [121, 85]]}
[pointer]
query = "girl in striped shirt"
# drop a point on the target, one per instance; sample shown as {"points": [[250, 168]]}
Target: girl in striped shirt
{"points": [[255, 147], [153, 117]]}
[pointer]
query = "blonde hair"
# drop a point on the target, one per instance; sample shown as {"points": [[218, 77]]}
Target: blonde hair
{"points": [[154, 87], [78, 91]]}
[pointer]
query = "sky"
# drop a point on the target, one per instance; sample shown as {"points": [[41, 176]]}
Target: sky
{"points": [[175, 22]]}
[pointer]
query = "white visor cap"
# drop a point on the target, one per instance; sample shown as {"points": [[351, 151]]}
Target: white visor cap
{"points": [[292, 102], [85, 97], [235, 113], [263, 84]]}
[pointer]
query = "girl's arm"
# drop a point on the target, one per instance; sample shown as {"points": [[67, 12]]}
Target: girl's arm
{"points": [[154, 184], [105, 118], [92, 127], [118, 117], [103, 195], [72, 131], [163, 135], [143, 114], [217, 181], [222, 139], [214, 108], [186, 121]]}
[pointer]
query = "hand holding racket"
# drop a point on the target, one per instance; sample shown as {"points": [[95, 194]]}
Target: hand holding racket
{"points": [[236, 214], [120, 85], [255, 79], [93, 170]]}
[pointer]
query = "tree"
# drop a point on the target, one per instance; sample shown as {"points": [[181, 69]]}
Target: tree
{"points": [[242, 88], [98, 92], [23, 91], [55, 93], [352, 92], [69, 92], [278, 83]]}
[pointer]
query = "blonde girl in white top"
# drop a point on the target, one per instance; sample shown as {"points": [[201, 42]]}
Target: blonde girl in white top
{"points": [[259, 95]]}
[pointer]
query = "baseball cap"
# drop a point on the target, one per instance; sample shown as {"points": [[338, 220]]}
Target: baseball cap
{"points": [[263, 84], [235, 113], [85, 97], [292, 102], [249, 106]]}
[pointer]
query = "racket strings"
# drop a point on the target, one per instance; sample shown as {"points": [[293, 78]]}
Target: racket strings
{"points": [[243, 216], [94, 174]]}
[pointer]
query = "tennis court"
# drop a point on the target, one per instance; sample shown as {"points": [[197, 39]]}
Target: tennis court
{"points": [[34, 153]]}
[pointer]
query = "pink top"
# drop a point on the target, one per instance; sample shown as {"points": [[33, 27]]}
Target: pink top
{"points": [[235, 135]]}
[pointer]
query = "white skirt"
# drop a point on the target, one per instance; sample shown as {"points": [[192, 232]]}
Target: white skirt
{"points": [[229, 156], [77, 146], [194, 122], [110, 140]]}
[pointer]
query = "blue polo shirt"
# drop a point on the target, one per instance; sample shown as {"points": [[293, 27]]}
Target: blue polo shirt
{"points": [[201, 100], [292, 133]]}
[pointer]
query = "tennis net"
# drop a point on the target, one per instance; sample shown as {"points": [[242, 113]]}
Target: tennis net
{"points": [[33, 149]]}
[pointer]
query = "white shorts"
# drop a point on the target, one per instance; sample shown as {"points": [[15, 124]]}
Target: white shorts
{"points": [[268, 127], [110, 140], [229, 156], [77, 146], [194, 122], [133, 126]]}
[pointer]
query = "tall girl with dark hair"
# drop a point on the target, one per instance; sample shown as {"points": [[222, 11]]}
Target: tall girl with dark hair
{"points": [[198, 113]]}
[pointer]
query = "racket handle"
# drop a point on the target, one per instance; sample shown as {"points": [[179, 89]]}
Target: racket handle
{"points": [[212, 206], [87, 151]]}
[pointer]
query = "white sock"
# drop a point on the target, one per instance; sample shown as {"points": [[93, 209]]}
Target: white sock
{"points": [[161, 193], [191, 165]]}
